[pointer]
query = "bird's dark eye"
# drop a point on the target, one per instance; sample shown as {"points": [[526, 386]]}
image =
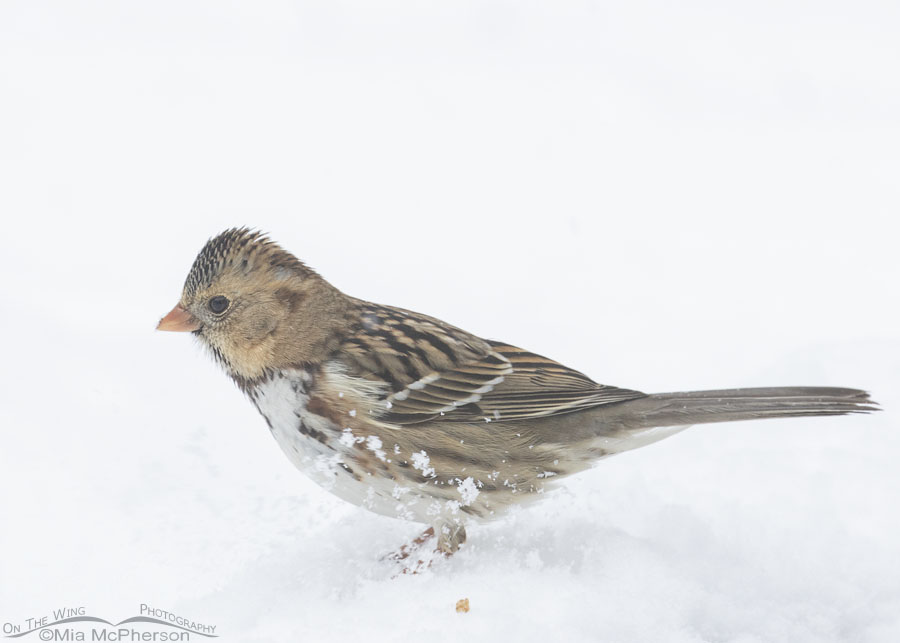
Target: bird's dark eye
{"points": [[219, 304]]}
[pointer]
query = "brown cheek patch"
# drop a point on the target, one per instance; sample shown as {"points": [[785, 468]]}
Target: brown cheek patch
{"points": [[259, 330], [291, 298]]}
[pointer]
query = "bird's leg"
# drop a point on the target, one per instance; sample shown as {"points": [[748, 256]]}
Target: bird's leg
{"points": [[404, 552], [449, 537]]}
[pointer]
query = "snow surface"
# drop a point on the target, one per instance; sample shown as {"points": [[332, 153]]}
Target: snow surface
{"points": [[665, 197]]}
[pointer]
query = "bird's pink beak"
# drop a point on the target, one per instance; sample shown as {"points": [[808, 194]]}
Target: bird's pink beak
{"points": [[179, 321]]}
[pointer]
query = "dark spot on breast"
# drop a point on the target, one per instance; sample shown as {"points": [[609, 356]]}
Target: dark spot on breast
{"points": [[366, 463], [350, 471], [313, 433]]}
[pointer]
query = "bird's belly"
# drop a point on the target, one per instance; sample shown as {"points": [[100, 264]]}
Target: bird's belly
{"points": [[326, 463], [355, 469]]}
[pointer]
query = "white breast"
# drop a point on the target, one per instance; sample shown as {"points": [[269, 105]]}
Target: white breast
{"points": [[282, 400], [323, 450]]}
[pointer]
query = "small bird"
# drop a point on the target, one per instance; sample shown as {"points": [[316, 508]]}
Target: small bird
{"points": [[413, 418]]}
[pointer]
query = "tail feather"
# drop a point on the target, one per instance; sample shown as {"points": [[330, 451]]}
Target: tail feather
{"points": [[729, 405]]}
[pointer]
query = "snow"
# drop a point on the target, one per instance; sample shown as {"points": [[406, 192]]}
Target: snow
{"points": [[422, 462], [373, 443], [467, 491], [664, 197]]}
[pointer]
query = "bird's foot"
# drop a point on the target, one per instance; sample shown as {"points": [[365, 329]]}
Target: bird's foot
{"points": [[414, 545], [449, 539]]}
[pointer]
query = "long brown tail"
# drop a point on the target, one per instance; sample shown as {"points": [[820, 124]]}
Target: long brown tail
{"points": [[729, 405]]}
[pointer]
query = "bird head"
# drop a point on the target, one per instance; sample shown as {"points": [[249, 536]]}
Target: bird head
{"points": [[255, 305]]}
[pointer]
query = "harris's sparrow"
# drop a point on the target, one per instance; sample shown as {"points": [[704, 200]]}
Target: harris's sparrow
{"points": [[411, 417]]}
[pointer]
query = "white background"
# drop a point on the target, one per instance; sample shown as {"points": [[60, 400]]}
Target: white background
{"points": [[665, 196]]}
